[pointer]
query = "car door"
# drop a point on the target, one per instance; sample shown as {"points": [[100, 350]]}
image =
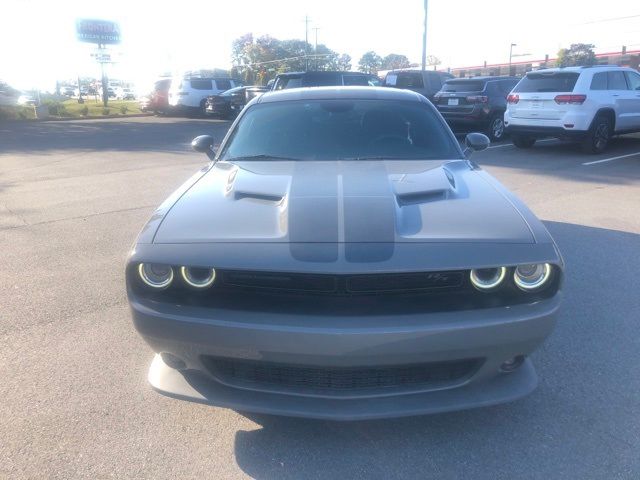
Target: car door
{"points": [[633, 81], [620, 94]]}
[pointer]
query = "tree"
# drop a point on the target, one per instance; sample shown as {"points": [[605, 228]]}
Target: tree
{"points": [[394, 61], [434, 61], [578, 54], [259, 60], [370, 62], [343, 62]]}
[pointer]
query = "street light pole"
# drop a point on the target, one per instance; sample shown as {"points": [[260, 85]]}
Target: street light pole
{"points": [[306, 42], [424, 36], [315, 51], [511, 55]]}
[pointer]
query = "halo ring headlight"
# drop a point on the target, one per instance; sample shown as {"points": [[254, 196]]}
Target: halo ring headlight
{"points": [[531, 276], [155, 275], [198, 277], [487, 278]]}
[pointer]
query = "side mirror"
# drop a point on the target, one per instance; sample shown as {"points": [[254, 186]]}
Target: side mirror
{"points": [[475, 142], [204, 144]]}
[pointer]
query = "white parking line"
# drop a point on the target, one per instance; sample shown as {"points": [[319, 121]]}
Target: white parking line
{"points": [[611, 159]]}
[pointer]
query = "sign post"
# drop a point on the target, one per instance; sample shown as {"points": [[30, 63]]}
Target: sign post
{"points": [[102, 33]]}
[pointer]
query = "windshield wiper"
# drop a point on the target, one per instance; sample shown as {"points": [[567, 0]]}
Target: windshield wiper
{"points": [[259, 157]]}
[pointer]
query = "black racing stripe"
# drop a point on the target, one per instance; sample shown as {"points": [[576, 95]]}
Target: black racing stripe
{"points": [[312, 212], [369, 212]]}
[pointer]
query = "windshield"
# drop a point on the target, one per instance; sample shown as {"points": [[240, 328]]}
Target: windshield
{"points": [[339, 130]]}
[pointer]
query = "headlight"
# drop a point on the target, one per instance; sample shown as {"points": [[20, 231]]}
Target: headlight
{"points": [[198, 277], [155, 275], [531, 276], [487, 278]]}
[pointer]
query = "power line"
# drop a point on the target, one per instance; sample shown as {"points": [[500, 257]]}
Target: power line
{"points": [[607, 20]]}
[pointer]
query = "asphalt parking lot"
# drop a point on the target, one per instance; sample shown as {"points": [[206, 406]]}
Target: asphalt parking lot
{"points": [[75, 401]]}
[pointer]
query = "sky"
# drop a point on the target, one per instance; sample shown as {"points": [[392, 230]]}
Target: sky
{"points": [[38, 43]]}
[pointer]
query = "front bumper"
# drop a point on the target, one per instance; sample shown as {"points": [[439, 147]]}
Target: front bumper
{"points": [[494, 335]]}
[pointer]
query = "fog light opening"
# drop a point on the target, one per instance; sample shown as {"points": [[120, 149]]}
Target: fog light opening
{"points": [[173, 361], [512, 364]]}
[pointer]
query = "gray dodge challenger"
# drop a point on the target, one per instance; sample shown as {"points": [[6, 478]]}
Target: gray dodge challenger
{"points": [[341, 257]]}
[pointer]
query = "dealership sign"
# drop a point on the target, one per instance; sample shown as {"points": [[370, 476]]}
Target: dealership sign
{"points": [[102, 32]]}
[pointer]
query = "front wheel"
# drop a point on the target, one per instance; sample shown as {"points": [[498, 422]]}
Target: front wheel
{"points": [[598, 137], [523, 142], [496, 127]]}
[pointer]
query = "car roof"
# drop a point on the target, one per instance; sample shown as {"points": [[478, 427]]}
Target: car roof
{"points": [[338, 93], [320, 72], [418, 70], [486, 78], [579, 69]]}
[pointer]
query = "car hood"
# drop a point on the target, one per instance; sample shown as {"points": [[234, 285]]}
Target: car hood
{"points": [[343, 202]]}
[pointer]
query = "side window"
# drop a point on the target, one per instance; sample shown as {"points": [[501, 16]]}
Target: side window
{"points": [[223, 84], [599, 81], [616, 81], [633, 79], [410, 80], [201, 84], [355, 80]]}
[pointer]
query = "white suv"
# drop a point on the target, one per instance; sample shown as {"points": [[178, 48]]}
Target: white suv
{"points": [[588, 104], [189, 94]]}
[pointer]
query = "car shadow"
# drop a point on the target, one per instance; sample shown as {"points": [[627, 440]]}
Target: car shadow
{"points": [[581, 422]]}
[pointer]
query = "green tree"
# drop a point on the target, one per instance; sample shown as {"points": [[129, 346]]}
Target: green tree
{"points": [[260, 59], [394, 61], [578, 54], [434, 61], [343, 62], [370, 62]]}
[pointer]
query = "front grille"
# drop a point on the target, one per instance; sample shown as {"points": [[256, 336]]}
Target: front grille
{"points": [[339, 379], [343, 284], [360, 295], [293, 282]]}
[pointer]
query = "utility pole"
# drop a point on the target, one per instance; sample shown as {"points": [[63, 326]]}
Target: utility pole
{"points": [[511, 55], [306, 42], [424, 36], [315, 52]]}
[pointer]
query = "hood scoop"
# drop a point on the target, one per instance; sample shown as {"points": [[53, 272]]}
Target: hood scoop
{"points": [[429, 186], [244, 184]]}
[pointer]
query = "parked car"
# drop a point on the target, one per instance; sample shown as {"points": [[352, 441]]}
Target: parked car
{"points": [[230, 103], [323, 79], [424, 82], [67, 91], [126, 94], [586, 104], [27, 100], [477, 103], [341, 258], [158, 100], [189, 94]]}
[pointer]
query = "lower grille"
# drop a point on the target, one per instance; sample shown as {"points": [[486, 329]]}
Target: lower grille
{"points": [[339, 379]]}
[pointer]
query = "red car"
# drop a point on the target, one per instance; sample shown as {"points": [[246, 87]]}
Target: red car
{"points": [[158, 100]]}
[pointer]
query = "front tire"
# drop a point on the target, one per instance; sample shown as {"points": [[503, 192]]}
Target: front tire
{"points": [[599, 135], [523, 142]]}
